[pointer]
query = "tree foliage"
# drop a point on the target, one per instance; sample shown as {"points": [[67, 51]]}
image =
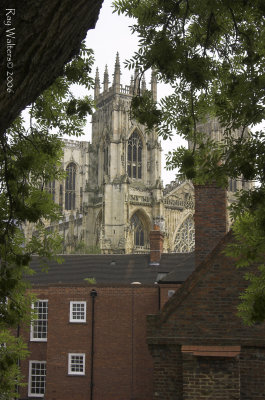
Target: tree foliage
{"points": [[12, 349], [212, 52], [30, 154]]}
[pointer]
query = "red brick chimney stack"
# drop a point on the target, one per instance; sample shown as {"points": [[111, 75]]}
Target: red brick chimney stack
{"points": [[210, 219], [156, 245]]}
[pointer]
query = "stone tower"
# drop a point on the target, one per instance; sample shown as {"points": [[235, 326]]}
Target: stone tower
{"points": [[124, 189], [113, 194]]}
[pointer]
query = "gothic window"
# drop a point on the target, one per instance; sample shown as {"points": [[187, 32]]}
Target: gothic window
{"points": [[185, 237], [138, 228], [61, 197], [106, 161], [135, 147], [50, 188], [98, 227], [81, 199], [233, 185], [70, 187]]}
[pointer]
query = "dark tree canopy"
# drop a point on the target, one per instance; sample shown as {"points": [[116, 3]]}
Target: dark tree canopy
{"points": [[212, 52], [30, 159], [47, 34]]}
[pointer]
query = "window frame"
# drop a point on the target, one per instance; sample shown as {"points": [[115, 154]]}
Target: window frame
{"points": [[74, 320], [30, 394], [33, 322], [139, 231], [76, 373], [135, 156], [50, 188], [70, 187]]}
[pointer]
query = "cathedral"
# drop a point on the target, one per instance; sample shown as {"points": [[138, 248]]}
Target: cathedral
{"points": [[113, 194]]}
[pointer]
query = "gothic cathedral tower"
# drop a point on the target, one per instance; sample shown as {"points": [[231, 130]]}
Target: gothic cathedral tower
{"points": [[113, 195], [124, 191]]}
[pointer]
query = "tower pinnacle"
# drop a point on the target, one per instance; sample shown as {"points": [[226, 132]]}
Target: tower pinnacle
{"points": [[132, 85], [143, 83], [154, 85], [136, 81], [117, 75], [106, 79], [97, 85]]}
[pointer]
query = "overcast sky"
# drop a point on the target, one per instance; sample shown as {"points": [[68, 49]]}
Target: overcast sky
{"points": [[111, 35]]}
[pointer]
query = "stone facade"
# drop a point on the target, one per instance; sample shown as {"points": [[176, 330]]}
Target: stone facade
{"points": [[113, 194]]}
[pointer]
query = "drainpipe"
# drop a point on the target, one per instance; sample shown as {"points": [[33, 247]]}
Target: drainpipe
{"points": [[159, 297], [18, 360], [132, 348], [93, 295]]}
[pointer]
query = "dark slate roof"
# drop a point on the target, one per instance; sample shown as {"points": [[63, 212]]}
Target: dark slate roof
{"points": [[111, 269], [179, 272]]}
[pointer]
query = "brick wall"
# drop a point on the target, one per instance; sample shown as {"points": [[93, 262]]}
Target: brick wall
{"points": [[203, 312], [210, 378], [123, 367], [252, 370], [167, 372], [210, 219]]}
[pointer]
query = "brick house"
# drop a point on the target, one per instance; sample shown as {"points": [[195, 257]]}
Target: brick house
{"points": [[201, 349], [89, 341]]}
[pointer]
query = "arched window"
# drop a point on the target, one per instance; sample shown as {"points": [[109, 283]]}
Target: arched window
{"points": [[138, 227], [185, 237], [70, 187], [106, 160], [50, 188], [134, 165], [233, 185], [98, 227]]}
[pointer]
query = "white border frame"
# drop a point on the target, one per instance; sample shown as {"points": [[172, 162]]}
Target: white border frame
{"points": [[30, 381], [32, 339], [71, 312], [69, 364]]}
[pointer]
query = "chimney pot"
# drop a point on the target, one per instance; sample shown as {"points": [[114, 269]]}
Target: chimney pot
{"points": [[156, 245]]}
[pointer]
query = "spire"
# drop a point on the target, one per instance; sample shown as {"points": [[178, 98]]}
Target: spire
{"points": [[106, 79], [136, 81], [131, 84], [143, 83], [97, 85], [154, 85], [117, 75]]}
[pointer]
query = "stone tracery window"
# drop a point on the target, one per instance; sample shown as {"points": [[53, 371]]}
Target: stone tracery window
{"points": [[134, 165], [70, 187], [139, 233], [106, 160], [185, 237], [98, 227], [50, 188]]}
